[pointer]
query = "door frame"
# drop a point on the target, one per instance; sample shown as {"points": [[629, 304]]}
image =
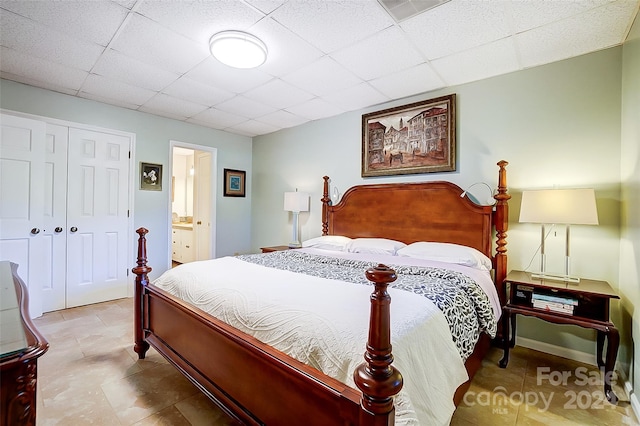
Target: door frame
{"points": [[132, 169], [212, 194]]}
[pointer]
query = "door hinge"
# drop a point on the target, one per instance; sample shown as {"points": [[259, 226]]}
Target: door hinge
{"points": [[129, 154], [127, 213], [127, 272]]}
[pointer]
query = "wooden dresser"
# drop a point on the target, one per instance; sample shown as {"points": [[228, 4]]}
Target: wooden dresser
{"points": [[20, 347]]}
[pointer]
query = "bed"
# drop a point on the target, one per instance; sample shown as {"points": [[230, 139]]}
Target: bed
{"points": [[258, 383]]}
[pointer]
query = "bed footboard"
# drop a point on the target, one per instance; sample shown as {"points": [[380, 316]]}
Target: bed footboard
{"points": [[255, 383]]}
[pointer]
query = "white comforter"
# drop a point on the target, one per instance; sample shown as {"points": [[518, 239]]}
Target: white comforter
{"points": [[324, 323]]}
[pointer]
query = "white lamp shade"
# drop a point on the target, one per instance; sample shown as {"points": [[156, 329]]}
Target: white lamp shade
{"points": [[296, 201], [559, 206]]}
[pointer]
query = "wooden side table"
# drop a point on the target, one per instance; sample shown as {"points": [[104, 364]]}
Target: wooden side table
{"points": [[274, 248], [587, 305]]}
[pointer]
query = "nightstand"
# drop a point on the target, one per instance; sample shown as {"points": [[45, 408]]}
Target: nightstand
{"points": [[274, 248], [585, 304]]}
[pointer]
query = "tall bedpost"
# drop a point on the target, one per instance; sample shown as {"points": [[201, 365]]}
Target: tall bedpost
{"points": [[378, 380], [325, 204], [501, 223], [141, 346]]}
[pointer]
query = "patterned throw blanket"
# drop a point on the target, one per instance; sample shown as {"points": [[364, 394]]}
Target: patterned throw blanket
{"points": [[464, 304]]}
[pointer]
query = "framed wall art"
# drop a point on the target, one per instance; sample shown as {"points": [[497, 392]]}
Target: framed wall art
{"points": [[414, 138], [234, 183], [151, 177]]}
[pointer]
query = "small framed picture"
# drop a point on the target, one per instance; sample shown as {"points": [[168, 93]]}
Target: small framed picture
{"points": [[151, 177], [234, 183]]}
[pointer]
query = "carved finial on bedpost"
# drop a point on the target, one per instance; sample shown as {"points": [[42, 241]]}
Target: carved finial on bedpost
{"points": [[325, 203], [501, 222], [378, 380], [141, 271]]}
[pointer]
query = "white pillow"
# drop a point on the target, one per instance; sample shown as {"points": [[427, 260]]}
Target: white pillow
{"points": [[374, 246], [447, 252], [328, 242]]}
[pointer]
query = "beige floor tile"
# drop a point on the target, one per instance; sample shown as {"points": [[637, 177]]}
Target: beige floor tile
{"points": [[92, 376]]}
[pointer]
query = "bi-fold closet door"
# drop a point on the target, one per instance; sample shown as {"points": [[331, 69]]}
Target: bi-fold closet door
{"points": [[70, 235]]}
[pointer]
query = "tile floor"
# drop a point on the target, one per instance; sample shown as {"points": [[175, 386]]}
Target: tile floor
{"points": [[90, 375]]}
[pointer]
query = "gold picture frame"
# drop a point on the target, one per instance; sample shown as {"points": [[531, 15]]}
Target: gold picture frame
{"points": [[414, 138], [234, 183]]}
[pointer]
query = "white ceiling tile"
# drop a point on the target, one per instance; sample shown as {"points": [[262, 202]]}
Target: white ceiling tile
{"points": [[278, 94], [315, 109], [356, 97], [93, 21], [253, 128], [213, 73], [596, 29], [532, 14], [24, 35], [116, 90], [331, 25], [36, 69], [266, 6], [457, 25], [19, 78], [478, 63], [282, 119], [199, 20], [409, 82], [219, 119], [107, 100], [392, 53], [186, 88], [322, 77], [245, 107], [286, 50], [171, 105], [115, 65], [155, 45]]}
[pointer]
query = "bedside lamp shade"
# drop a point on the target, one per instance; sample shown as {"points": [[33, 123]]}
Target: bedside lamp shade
{"points": [[563, 207], [296, 202], [559, 206]]}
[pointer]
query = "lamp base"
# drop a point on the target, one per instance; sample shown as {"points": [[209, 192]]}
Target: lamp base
{"points": [[295, 245], [555, 277]]}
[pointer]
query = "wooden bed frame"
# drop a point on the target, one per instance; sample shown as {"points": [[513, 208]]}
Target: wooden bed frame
{"points": [[257, 384]]}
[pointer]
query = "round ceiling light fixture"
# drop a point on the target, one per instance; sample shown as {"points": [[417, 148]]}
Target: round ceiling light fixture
{"points": [[238, 49]]}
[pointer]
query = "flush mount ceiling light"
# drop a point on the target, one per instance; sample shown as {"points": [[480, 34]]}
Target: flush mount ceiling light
{"points": [[238, 49]]}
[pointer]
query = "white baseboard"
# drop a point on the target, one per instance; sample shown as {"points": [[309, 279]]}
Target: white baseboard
{"points": [[557, 350], [580, 357], [633, 398]]}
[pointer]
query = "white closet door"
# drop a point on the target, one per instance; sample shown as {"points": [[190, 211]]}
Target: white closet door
{"points": [[202, 205], [22, 143], [97, 241], [55, 218]]}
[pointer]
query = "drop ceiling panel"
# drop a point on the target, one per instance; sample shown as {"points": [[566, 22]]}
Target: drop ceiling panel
{"points": [[199, 20], [383, 53], [279, 94], [282, 119], [478, 63], [118, 66], [533, 14], [419, 79], [252, 128], [322, 77], [172, 105], [24, 35], [93, 21], [356, 97], [213, 73], [245, 107], [331, 25], [286, 50], [117, 90], [315, 109], [35, 69], [456, 26], [155, 45], [203, 94], [217, 118], [266, 6]]}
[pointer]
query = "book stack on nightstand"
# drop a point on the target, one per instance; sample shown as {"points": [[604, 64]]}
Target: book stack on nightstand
{"points": [[560, 304]]}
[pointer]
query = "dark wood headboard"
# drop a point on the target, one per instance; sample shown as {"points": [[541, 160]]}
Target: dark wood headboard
{"points": [[427, 211]]}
